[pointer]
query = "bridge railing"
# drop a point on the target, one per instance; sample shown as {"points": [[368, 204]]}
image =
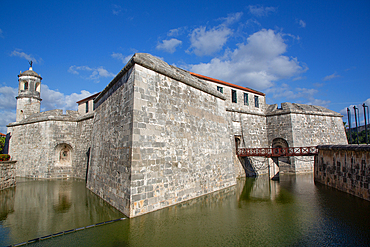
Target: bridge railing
{"points": [[277, 152]]}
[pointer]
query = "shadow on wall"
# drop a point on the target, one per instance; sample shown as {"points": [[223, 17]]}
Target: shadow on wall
{"points": [[248, 167]]}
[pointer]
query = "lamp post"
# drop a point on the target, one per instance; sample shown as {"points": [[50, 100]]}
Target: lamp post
{"points": [[365, 106], [349, 125], [355, 110]]}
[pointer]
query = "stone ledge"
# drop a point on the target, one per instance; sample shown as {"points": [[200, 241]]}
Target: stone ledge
{"points": [[353, 147], [238, 110], [289, 108], [150, 62]]}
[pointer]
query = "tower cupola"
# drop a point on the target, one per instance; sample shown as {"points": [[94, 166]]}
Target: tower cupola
{"points": [[29, 89]]}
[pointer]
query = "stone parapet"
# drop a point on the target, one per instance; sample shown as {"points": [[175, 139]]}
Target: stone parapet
{"points": [[344, 167], [7, 174]]}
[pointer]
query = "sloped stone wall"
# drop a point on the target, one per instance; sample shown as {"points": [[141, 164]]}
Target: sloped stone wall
{"points": [[109, 174], [344, 167], [181, 143], [83, 145]]}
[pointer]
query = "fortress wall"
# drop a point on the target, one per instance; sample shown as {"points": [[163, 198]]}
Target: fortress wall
{"points": [[33, 147], [181, 143], [251, 128], [303, 126], [7, 175], [313, 130], [109, 174], [83, 143], [344, 167]]}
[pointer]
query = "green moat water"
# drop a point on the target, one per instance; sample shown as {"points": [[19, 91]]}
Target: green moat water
{"points": [[256, 212]]}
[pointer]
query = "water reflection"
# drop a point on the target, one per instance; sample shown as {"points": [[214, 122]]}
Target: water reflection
{"points": [[256, 212], [37, 208]]}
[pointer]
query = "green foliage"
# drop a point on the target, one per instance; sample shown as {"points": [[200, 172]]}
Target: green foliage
{"points": [[361, 137], [2, 143], [4, 157]]}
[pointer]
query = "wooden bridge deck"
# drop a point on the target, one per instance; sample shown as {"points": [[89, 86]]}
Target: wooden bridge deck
{"points": [[278, 152]]}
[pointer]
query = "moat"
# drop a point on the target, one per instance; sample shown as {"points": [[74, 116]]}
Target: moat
{"points": [[256, 212]]}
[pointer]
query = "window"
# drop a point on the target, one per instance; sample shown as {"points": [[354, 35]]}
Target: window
{"points": [[246, 99], [220, 89], [87, 106], [256, 103], [26, 86], [233, 96]]}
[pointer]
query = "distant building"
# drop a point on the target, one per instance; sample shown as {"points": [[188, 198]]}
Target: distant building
{"points": [[158, 135]]}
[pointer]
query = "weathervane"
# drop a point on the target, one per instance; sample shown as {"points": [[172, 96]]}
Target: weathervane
{"points": [[30, 62]]}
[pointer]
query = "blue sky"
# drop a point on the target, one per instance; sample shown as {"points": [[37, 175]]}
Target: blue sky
{"points": [[311, 52]]}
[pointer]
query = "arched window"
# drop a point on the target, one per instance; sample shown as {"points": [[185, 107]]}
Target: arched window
{"points": [[26, 85], [37, 87]]}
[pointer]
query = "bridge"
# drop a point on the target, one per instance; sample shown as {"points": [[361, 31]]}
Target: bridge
{"points": [[277, 152]]}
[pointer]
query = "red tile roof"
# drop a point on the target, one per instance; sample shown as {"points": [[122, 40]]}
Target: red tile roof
{"points": [[226, 83], [1, 134], [88, 98]]}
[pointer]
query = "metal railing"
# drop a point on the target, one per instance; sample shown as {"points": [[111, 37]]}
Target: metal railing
{"points": [[278, 152]]}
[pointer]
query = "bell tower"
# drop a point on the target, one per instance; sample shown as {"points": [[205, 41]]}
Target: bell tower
{"points": [[28, 99]]}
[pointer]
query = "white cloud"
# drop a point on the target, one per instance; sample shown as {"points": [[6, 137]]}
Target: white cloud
{"points": [[360, 113], [93, 73], [28, 57], [207, 42], [302, 23], [7, 98], [8, 104], [121, 57], [7, 117], [259, 10], [231, 18], [176, 31], [300, 95], [256, 64], [298, 78], [330, 77], [116, 9], [169, 45], [52, 99], [319, 102]]}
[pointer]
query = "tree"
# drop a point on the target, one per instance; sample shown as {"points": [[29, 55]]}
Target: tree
{"points": [[2, 143]]}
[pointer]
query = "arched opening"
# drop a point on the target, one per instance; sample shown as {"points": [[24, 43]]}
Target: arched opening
{"points": [[25, 85], [63, 154], [281, 143], [37, 87]]}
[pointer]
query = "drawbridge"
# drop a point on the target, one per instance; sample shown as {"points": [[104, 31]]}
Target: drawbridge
{"points": [[277, 152]]}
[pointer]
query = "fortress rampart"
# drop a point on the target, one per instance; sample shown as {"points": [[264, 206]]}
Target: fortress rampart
{"points": [[158, 135], [344, 167]]}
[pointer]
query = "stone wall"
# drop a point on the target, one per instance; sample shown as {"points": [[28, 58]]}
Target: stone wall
{"points": [[181, 143], [7, 174], [160, 137], [83, 145], [304, 126], [38, 141], [109, 173], [344, 167]]}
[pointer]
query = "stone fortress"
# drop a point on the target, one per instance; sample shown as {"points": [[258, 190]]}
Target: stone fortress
{"points": [[158, 135]]}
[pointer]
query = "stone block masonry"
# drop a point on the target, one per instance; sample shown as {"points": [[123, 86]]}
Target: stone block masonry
{"points": [[7, 174], [160, 137], [344, 167]]}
